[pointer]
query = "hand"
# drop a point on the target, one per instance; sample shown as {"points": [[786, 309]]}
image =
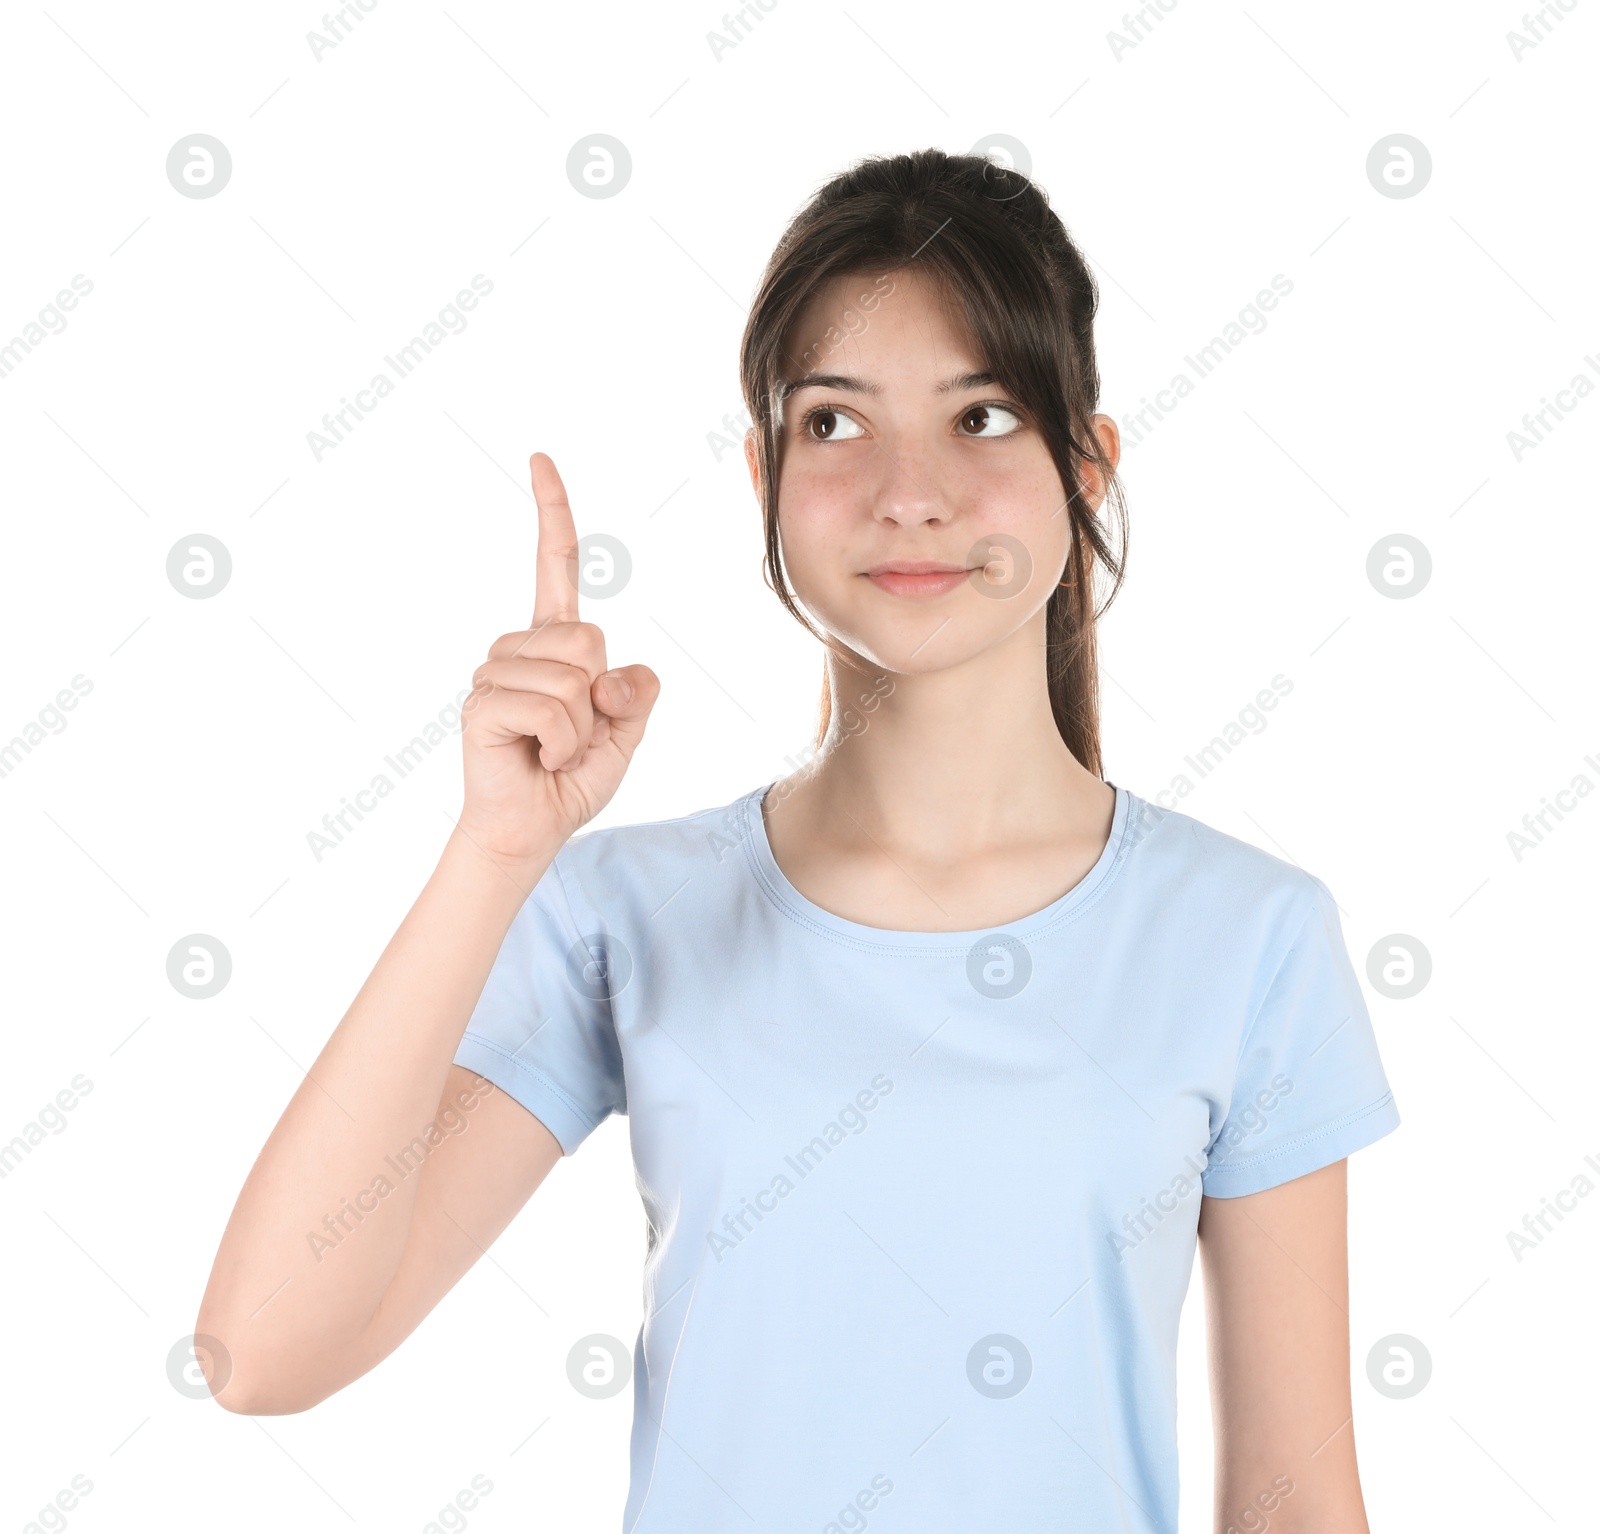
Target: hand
{"points": [[548, 731]]}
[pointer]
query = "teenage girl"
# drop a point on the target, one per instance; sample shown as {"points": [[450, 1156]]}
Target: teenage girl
{"points": [[940, 1055]]}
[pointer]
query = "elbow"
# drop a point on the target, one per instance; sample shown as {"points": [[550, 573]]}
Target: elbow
{"points": [[259, 1395], [244, 1399], [240, 1382]]}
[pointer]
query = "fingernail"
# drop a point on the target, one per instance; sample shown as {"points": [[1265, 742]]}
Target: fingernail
{"points": [[622, 689]]}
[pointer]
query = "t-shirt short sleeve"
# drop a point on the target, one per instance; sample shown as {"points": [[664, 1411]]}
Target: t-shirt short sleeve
{"points": [[542, 1029], [1309, 1087]]}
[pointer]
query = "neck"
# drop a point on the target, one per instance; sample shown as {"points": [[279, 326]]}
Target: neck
{"points": [[960, 758]]}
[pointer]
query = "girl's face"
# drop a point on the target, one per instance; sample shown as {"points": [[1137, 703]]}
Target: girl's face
{"points": [[921, 517]]}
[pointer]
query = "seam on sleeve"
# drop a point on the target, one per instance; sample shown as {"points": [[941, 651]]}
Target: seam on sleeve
{"points": [[1300, 1141], [523, 1068], [573, 930], [576, 933]]}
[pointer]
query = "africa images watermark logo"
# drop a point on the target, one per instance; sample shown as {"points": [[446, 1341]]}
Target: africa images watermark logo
{"points": [[451, 1120], [1250, 720], [1536, 27], [51, 321], [52, 718], [1536, 1226], [1536, 425], [1553, 809], [403, 362], [336, 825], [737, 26], [51, 1119], [1242, 1123], [849, 1121], [1251, 320]]}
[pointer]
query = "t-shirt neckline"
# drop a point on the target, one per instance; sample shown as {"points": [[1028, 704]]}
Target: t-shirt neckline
{"points": [[776, 885]]}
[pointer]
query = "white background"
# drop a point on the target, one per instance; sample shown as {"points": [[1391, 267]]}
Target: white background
{"points": [[430, 145]]}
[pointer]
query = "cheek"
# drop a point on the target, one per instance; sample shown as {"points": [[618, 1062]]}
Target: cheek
{"points": [[1020, 499], [821, 504], [815, 549], [1017, 489], [819, 480]]}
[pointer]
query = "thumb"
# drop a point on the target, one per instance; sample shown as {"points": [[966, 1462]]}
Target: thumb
{"points": [[625, 695]]}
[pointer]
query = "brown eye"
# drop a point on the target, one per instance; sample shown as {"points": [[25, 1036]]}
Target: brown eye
{"points": [[823, 425], [990, 421]]}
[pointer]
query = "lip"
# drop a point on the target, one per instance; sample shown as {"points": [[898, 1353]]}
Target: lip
{"points": [[916, 577]]}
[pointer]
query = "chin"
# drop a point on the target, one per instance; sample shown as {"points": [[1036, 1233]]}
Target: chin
{"points": [[910, 654]]}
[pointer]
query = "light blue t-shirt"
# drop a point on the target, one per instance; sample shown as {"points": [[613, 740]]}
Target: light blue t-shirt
{"points": [[922, 1205]]}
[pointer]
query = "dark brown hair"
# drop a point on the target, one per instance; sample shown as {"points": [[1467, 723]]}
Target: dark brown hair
{"points": [[989, 236]]}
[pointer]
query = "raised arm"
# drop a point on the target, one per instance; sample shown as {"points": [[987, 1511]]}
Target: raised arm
{"points": [[317, 1278]]}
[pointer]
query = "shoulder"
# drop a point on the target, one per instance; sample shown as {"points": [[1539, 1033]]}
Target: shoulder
{"points": [[654, 855], [1177, 857]]}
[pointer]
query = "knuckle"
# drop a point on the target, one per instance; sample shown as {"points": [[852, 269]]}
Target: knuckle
{"points": [[494, 676], [565, 682], [579, 681], [545, 640]]}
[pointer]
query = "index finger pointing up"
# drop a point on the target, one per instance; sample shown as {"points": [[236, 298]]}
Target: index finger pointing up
{"points": [[556, 564]]}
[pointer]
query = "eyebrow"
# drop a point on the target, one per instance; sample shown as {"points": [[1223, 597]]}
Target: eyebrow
{"points": [[841, 381], [965, 381], [848, 382]]}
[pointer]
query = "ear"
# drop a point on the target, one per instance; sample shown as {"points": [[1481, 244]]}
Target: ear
{"points": [[1094, 484], [752, 458]]}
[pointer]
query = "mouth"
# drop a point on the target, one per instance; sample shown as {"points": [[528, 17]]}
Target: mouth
{"points": [[916, 577]]}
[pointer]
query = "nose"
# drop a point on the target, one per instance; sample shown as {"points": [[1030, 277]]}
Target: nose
{"points": [[908, 491]]}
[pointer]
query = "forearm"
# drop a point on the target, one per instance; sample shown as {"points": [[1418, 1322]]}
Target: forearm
{"points": [[290, 1291]]}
